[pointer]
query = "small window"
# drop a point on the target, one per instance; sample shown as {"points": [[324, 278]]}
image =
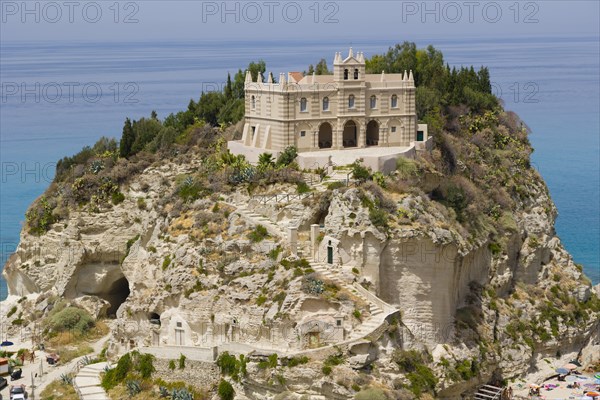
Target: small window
{"points": [[338, 322], [345, 74], [355, 73], [179, 325], [303, 104], [253, 102], [325, 103], [302, 133], [393, 129], [394, 101], [373, 102], [351, 101]]}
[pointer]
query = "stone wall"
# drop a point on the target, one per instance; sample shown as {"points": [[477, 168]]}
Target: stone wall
{"points": [[201, 375]]}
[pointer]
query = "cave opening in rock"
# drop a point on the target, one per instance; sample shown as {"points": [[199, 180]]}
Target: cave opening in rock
{"points": [[154, 318], [116, 295]]}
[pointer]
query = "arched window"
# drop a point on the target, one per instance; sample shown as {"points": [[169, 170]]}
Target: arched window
{"points": [[355, 73], [373, 101], [394, 101], [303, 104], [325, 103], [351, 101], [345, 74], [253, 102]]}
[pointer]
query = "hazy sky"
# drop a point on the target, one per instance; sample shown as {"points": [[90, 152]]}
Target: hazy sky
{"points": [[296, 20]]}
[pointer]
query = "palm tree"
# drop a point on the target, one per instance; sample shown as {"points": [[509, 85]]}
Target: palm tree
{"points": [[265, 161]]}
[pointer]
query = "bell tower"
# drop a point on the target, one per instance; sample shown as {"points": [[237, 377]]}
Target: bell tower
{"points": [[350, 69]]}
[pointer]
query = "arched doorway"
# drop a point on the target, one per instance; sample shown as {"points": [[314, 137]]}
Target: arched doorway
{"points": [[372, 133], [350, 137], [325, 136]]}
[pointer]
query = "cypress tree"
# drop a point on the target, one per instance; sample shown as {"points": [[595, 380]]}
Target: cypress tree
{"points": [[127, 139], [228, 88]]}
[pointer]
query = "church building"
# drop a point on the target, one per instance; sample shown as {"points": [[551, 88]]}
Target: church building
{"points": [[347, 110]]}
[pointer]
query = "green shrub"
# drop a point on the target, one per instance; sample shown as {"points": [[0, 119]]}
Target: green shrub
{"points": [[274, 253], [11, 312], [287, 156], [302, 187], [467, 369], [370, 394], [141, 203], [166, 262], [378, 217], [295, 361], [71, 319], [335, 185], [225, 390], [422, 380], [182, 359], [360, 172], [270, 362], [40, 217], [412, 363], [261, 300], [259, 234], [145, 365], [116, 375], [406, 168], [495, 248], [326, 370], [117, 198], [172, 365], [334, 359], [231, 366]]}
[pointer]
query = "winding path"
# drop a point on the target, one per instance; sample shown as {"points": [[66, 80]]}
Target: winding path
{"points": [[87, 382]]}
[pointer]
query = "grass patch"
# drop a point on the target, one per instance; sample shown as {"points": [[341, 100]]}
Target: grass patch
{"points": [[58, 390]]}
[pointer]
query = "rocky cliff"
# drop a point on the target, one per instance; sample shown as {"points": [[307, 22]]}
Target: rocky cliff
{"points": [[484, 290]]}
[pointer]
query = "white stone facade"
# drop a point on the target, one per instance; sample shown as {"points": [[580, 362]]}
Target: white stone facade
{"points": [[346, 110]]}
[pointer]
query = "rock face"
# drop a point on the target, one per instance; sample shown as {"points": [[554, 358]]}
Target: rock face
{"points": [[191, 277]]}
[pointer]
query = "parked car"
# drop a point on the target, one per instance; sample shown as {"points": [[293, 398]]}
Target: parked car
{"points": [[3, 383], [18, 392], [16, 374]]}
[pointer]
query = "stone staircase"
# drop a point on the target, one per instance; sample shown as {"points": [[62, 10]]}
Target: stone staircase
{"points": [[488, 392], [378, 309], [255, 219], [343, 176], [87, 382]]}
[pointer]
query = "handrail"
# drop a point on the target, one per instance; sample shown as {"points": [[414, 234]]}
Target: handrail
{"points": [[265, 198], [387, 308]]}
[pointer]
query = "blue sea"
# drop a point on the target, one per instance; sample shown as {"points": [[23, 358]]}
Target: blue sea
{"points": [[60, 96]]}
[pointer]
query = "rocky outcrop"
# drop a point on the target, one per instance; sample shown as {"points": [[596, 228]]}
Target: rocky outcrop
{"points": [[176, 274]]}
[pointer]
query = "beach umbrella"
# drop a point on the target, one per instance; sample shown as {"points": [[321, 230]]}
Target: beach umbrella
{"points": [[592, 394], [6, 343], [570, 366], [562, 371]]}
